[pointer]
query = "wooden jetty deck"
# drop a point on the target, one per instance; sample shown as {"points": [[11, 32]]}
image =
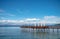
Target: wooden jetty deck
{"points": [[35, 27], [42, 27]]}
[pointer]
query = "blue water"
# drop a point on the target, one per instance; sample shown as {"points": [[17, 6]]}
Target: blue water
{"points": [[18, 33]]}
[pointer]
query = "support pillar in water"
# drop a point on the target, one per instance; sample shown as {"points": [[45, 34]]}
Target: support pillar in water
{"points": [[57, 29], [53, 29], [43, 29], [33, 29]]}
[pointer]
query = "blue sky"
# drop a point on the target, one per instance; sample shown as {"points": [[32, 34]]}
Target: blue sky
{"points": [[21, 9], [29, 8]]}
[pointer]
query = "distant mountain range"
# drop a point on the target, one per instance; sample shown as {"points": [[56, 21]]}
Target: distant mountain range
{"points": [[27, 25], [57, 24]]}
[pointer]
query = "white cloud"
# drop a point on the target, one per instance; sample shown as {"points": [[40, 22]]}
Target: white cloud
{"points": [[32, 19], [52, 19], [1, 17], [2, 10], [4, 13], [46, 19], [49, 17], [19, 11], [14, 22], [10, 14], [2, 20]]}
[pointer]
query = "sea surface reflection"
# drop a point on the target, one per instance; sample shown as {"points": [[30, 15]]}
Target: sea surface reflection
{"points": [[18, 33]]}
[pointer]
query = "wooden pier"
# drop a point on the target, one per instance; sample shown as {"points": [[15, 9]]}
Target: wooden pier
{"points": [[42, 27], [35, 27]]}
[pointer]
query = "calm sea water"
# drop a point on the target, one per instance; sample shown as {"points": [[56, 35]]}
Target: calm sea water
{"points": [[18, 33]]}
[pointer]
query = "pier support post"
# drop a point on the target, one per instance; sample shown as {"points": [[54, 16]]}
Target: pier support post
{"points": [[44, 29], [57, 30], [53, 29], [33, 28]]}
